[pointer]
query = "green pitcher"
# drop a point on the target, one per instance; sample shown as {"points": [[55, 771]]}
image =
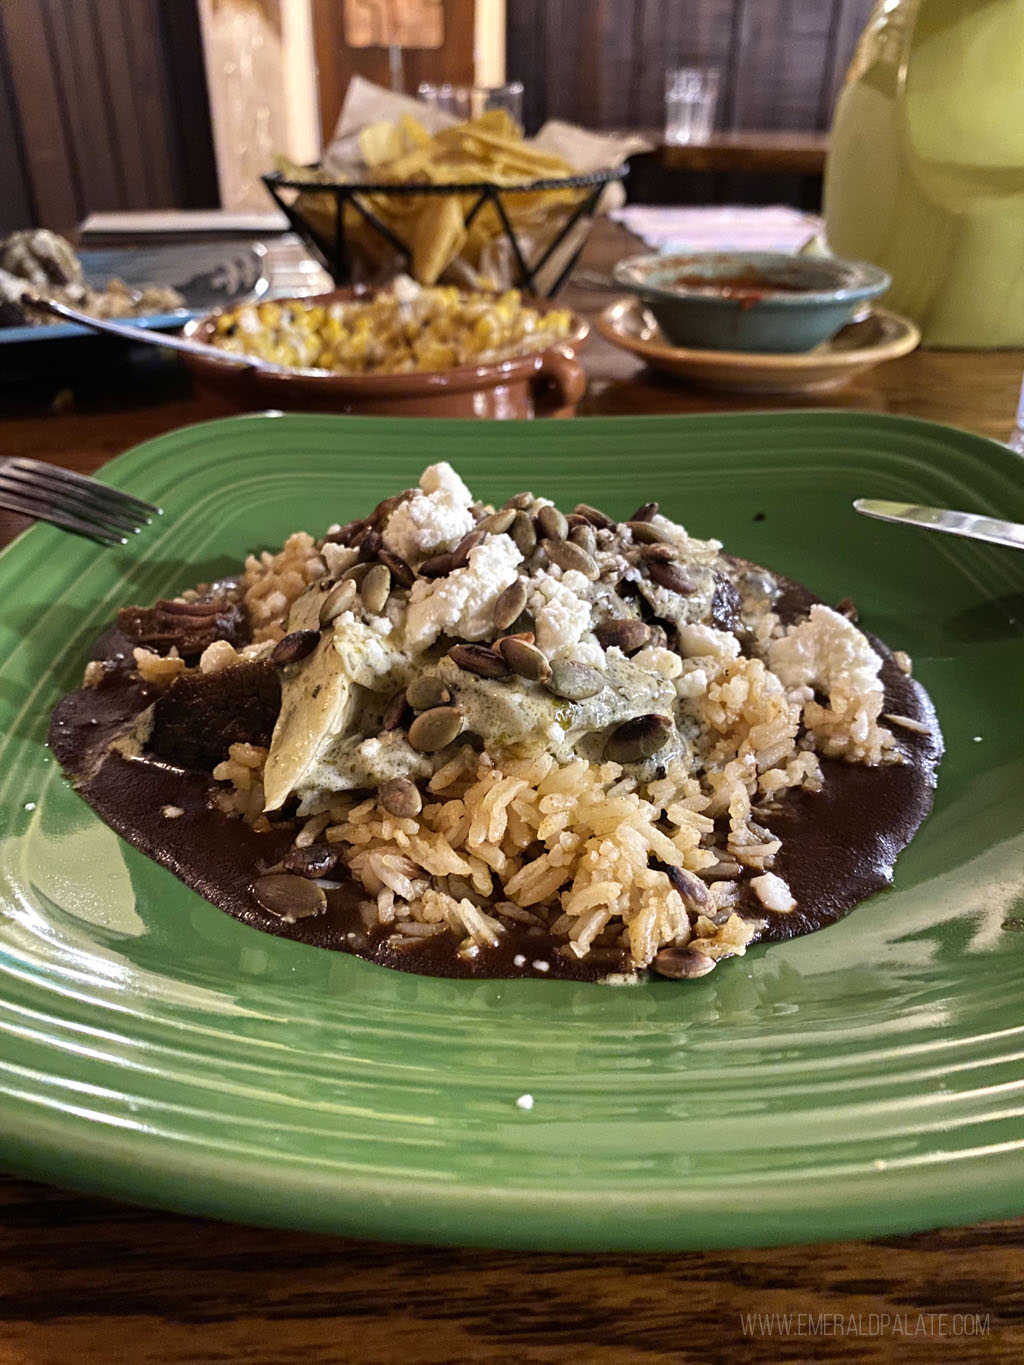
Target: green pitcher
{"points": [[925, 173]]}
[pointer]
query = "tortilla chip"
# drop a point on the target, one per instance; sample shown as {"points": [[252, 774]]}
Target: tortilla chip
{"points": [[438, 236]]}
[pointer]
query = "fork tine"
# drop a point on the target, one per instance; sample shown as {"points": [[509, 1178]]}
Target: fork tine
{"points": [[94, 509], [30, 508], [67, 477]]}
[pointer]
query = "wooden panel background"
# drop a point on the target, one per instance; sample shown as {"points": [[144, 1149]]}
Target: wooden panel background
{"points": [[337, 63], [602, 62], [103, 106]]}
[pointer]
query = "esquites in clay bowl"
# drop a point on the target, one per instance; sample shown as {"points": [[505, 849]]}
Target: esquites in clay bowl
{"points": [[409, 350]]}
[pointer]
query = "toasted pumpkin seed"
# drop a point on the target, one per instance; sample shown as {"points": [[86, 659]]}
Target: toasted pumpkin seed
{"points": [[438, 566], [524, 659], [509, 604], [315, 860], [644, 533], [369, 543], [670, 576], [524, 534], [551, 523], [645, 512], [479, 659], [693, 891], [574, 682], [682, 964], [400, 797], [288, 896], [400, 571], [340, 598], [498, 522], [571, 557], [661, 550], [426, 691], [295, 647], [435, 729], [460, 555], [520, 501], [394, 713], [638, 738], [628, 634], [357, 573], [375, 588], [594, 515], [584, 535]]}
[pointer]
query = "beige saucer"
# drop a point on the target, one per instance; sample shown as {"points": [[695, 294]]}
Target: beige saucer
{"points": [[859, 346]]}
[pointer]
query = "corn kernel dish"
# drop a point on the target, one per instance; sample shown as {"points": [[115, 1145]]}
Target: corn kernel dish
{"points": [[405, 330]]}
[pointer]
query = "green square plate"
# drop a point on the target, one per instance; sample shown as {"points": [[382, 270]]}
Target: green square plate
{"points": [[866, 1080]]}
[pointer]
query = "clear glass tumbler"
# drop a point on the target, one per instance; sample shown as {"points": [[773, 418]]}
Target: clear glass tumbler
{"points": [[691, 94], [470, 101]]}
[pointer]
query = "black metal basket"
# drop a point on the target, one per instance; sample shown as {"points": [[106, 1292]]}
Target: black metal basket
{"points": [[334, 249]]}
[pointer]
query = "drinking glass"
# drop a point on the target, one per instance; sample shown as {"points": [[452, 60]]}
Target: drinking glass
{"points": [[691, 93], [470, 101]]}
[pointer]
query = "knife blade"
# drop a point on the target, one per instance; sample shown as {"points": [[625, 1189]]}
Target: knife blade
{"points": [[944, 519]]}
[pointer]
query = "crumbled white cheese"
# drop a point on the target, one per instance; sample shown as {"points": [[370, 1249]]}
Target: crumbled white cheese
{"points": [[561, 617], [692, 682], [337, 558], [688, 546], [698, 642], [367, 649], [773, 893], [827, 652], [462, 605], [433, 520], [665, 662], [524, 1102]]}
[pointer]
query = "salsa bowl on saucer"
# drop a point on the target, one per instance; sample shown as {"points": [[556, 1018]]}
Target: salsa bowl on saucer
{"points": [[766, 301]]}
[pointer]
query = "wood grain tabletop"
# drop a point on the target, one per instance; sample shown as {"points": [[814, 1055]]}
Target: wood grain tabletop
{"points": [[85, 1279]]}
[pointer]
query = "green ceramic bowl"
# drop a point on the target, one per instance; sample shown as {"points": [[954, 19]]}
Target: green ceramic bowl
{"points": [[750, 300]]}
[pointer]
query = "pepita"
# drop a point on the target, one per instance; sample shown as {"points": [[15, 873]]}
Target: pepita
{"points": [[638, 738], [628, 634], [435, 729], [460, 555], [569, 557], [288, 896], [574, 682], [670, 576], [524, 659], [479, 659], [524, 534], [295, 647], [682, 964], [438, 566], [375, 588], [400, 798], [509, 604], [426, 691], [340, 598], [645, 512], [400, 571], [594, 515], [498, 522], [551, 523]]}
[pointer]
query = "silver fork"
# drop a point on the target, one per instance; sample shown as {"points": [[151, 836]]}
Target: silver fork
{"points": [[72, 501]]}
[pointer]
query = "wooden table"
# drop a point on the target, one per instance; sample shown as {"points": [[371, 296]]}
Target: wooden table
{"points": [[88, 1280]]}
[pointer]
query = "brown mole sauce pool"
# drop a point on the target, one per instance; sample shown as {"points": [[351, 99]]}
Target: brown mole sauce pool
{"points": [[839, 844]]}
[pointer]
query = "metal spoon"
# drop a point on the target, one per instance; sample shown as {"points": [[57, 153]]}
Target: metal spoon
{"points": [[169, 340]]}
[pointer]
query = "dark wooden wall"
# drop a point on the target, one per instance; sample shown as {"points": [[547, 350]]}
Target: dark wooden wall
{"points": [[103, 106], [602, 62]]}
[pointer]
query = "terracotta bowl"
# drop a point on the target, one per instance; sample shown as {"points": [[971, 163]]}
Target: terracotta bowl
{"points": [[544, 384]]}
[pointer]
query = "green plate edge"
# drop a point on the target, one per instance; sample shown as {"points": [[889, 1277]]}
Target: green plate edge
{"points": [[72, 1130]]}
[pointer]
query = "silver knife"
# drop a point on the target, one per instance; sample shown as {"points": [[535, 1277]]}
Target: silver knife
{"points": [[941, 519]]}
